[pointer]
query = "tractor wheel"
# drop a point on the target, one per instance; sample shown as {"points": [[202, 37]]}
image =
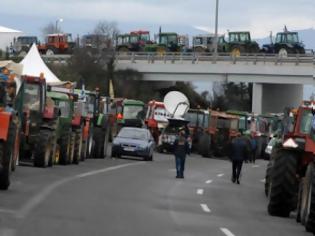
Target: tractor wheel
{"points": [[50, 52], [72, 145], [205, 145], [43, 149], [283, 186], [283, 53], [5, 158], [77, 147], [236, 52], [106, 141], [99, 139], [64, 150], [307, 212], [83, 150], [267, 178]]}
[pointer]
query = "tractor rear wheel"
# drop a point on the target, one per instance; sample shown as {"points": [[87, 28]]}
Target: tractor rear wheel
{"points": [[64, 150], [77, 147], [283, 186], [205, 145], [99, 139], [307, 209], [5, 158], [267, 178], [43, 149]]}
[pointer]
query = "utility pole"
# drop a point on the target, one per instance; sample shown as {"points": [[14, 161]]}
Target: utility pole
{"points": [[216, 29]]}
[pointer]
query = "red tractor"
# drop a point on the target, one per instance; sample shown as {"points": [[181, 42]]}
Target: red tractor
{"points": [[9, 128], [57, 44], [291, 172], [135, 41], [156, 118]]}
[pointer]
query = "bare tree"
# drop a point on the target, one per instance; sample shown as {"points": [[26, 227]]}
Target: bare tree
{"points": [[109, 30], [51, 28]]}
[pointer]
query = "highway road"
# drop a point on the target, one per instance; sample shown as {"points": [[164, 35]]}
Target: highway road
{"points": [[132, 197]]}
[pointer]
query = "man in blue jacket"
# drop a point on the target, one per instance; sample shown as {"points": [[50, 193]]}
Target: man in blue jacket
{"points": [[238, 153], [181, 149]]}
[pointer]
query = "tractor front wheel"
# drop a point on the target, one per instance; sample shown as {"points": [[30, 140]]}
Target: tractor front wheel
{"points": [[43, 149], [283, 185]]}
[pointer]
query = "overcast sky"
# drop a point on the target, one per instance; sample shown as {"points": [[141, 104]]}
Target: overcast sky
{"points": [[260, 17]]}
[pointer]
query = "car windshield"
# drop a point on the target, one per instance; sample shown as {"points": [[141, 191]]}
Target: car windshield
{"points": [[64, 108], [32, 96], [133, 112], [133, 134]]}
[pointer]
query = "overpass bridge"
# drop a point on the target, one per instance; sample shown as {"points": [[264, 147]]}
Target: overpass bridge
{"points": [[277, 81]]}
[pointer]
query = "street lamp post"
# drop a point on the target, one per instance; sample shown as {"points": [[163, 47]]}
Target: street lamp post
{"points": [[56, 26], [216, 29]]}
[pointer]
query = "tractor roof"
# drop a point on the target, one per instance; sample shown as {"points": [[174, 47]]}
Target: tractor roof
{"points": [[133, 102], [58, 96]]}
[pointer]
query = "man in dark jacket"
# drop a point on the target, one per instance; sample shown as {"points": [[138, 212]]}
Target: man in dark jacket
{"points": [[238, 153], [181, 149]]}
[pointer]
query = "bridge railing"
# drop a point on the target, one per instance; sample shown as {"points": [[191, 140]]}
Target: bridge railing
{"points": [[296, 59]]}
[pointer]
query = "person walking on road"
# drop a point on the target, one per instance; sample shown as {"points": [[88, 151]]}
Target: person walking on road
{"points": [[181, 149], [238, 153]]}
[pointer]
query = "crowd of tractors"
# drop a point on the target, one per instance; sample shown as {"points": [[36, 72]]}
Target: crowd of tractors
{"points": [[236, 43]]}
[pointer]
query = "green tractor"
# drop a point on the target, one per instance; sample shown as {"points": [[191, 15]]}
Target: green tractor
{"points": [[96, 130], [166, 42], [240, 42], [65, 138]]}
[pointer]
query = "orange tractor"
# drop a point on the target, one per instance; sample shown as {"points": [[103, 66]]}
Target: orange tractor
{"points": [[291, 172], [57, 44], [9, 127]]}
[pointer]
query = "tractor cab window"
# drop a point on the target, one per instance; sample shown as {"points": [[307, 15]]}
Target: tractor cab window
{"points": [[198, 41], [172, 39], [145, 37], [234, 124], [221, 40], [119, 40], [244, 37], [209, 40], [133, 112], [91, 104], [192, 117], [64, 107], [292, 38], [233, 38], [134, 39], [223, 123], [163, 39], [68, 38], [32, 96], [242, 123], [306, 122]]}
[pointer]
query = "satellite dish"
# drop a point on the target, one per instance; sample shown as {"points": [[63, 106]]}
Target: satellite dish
{"points": [[176, 103]]}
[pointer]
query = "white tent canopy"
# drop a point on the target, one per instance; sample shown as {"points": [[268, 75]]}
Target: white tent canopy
{"points": [[33, 65]]}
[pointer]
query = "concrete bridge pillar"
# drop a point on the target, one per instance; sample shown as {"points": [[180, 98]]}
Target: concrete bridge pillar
{"points": [[274, 97]]}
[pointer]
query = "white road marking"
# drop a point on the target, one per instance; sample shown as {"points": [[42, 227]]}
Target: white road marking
{"points": [[256, 166], [37, 199], [263, 180], [205, 208], [220, 175], [209, 181], [227, 232], [200, 191]]}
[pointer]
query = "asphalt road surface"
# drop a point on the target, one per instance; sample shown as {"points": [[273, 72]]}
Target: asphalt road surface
{"points": [[132, 197]]}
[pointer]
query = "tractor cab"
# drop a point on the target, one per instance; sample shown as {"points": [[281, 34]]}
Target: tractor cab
{"points": [[240, 42], [169, 41]]}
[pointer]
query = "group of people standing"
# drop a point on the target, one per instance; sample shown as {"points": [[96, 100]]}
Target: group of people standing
{"points": [[241, 148]]}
